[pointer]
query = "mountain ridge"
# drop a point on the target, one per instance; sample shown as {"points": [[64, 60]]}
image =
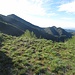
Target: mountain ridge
{"points": [[21, 25]]}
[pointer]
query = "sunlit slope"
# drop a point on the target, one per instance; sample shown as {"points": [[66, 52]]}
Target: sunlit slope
{"points": [[31, 56]]}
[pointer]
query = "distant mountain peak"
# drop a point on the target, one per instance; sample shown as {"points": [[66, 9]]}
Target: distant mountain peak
{"points": [[2, 15], [54, 27], [11, 15]]}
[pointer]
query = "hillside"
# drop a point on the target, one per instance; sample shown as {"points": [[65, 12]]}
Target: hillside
{"points": [[22, 25], [59, 33], [26, 55], [72, 31], [16, 26]]}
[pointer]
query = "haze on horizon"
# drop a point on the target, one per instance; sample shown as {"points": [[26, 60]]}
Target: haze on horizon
{"points": [[43, 13]]}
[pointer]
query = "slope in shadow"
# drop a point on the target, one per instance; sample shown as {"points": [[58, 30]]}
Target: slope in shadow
{"points": [[6, 64]]}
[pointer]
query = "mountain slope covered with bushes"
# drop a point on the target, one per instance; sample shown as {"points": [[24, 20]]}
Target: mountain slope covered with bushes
{"points": [[27, 55]]}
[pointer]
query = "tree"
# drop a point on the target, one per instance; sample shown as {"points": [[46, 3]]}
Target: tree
{"points": [[29, 34]]}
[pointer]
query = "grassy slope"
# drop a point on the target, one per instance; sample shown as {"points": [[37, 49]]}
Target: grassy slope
{"points": [[29, 56]]}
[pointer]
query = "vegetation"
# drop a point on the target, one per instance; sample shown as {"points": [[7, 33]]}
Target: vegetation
{"points": [[27, 55]]}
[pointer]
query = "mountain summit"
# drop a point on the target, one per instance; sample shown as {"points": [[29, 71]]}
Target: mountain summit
{"points": [[16, 26]]}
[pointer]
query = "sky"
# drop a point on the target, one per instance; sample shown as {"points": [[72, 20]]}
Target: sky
{"points": [[43, 13]]}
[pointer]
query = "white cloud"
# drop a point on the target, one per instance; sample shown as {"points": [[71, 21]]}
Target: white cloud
{"points": [[21, 7], [68, 7], [66, 18], [33, 7]]}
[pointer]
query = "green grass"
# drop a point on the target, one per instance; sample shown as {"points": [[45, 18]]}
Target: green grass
{"points": [[31, 56]]}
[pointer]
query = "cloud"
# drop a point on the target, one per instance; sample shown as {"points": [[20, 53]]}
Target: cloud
{"points": [[66, 18], [21, 7], [68, 7], [33, 7]]}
